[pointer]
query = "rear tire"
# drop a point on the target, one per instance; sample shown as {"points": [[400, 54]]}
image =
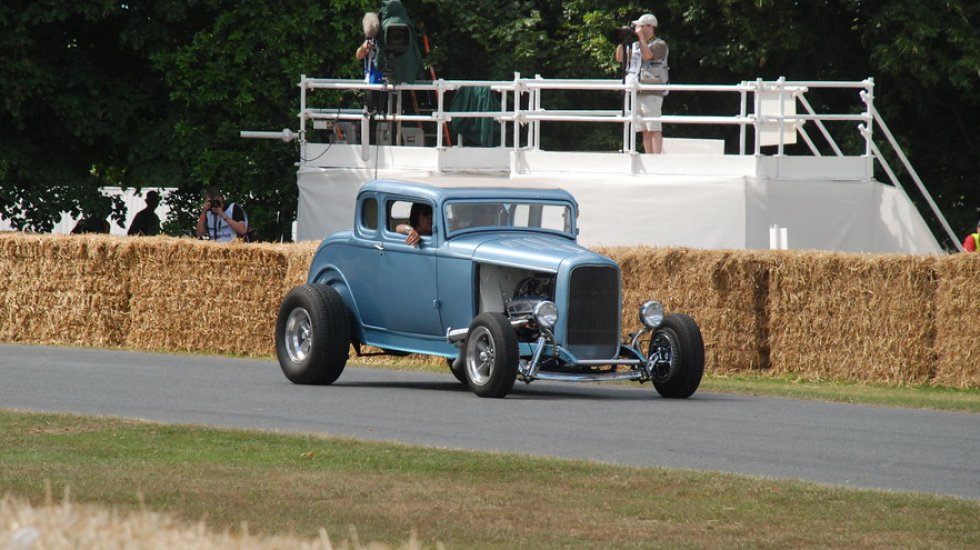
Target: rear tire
{"points": [[491, 355], [313, 335], [678, 343]]}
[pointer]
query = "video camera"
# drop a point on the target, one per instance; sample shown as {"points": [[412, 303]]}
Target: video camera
{"points": [[621, 35]]}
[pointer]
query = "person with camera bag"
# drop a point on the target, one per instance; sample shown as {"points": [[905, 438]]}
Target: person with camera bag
{"points": [[367, 54], [648, 64], [220, 221]]}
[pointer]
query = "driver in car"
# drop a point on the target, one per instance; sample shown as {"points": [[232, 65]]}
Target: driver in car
{"points": [[419, 224]]}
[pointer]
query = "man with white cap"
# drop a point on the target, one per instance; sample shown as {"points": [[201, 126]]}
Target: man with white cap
{"points": [[648, 63]]}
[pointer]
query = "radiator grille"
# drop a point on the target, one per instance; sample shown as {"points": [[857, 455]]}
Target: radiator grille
{"points": [[593, 315]]}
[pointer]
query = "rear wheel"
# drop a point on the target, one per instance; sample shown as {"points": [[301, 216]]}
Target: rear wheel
{"points": [[312, 335], [491, 355], [677, 353]]}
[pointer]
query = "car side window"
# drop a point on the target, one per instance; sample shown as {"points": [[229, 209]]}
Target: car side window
{"points": [[369, 213], [411, 219], [398, 214]]}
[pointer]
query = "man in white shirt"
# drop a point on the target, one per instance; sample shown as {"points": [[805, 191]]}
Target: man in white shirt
{"points": [[220, 221]]}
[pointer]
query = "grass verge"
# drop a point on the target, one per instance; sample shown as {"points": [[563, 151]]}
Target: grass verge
{"points": [[909, 396], [294, 485]]}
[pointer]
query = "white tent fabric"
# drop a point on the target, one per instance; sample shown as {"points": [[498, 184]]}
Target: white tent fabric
{"points": [[686, 211]]}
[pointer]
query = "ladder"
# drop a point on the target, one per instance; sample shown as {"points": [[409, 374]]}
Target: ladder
{"points": [[447, 139]]}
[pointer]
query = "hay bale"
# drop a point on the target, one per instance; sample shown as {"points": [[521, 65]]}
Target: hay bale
{"points": [[64, 290], [201, 296], [299, 256], [853, 317], [724, 291], [957, 310], [67, 524]]}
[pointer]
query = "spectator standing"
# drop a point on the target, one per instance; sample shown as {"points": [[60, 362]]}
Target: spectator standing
{"points": [[146, 221], [367, 53], [220, 221], [648, 64], [972, 241], [96, 220]]}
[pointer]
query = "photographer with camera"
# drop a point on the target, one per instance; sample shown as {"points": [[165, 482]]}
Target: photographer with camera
{"points": [[367, 53], [220, 221], [648, 64]]}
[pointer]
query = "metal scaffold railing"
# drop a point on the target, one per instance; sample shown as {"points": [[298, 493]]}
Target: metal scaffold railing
{"points": [[775, 119], [767, 110]]}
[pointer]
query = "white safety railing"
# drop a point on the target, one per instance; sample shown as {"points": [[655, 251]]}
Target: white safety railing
{"points": [[883, 161], [769, 114], [764, 107]]}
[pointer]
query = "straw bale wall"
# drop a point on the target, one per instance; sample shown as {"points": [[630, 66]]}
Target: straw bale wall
{"points": [[882, 318], [194, 295], [853, 317], [299, 256], [957, 313], [58, 290], [724, 291]]}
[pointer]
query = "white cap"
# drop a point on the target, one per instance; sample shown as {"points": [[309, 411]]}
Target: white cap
{"points": [[646, 19]]}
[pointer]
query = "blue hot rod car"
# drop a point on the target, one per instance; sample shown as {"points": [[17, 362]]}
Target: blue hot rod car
{"points": [[499, 287]]}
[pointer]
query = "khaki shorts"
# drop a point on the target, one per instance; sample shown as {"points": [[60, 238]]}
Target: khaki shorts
{"points": [[649, 105]]}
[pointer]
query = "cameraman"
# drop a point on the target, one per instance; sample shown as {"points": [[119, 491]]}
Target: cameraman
{"points": [[367, 54], [220, 221], [648, 55]]}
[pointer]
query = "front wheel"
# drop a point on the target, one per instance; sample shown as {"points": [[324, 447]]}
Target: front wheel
{"points": [[677, 355], [312, 335], [491, 355]]}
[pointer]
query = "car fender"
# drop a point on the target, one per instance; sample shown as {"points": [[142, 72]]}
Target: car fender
{"points": [[331, 275]]}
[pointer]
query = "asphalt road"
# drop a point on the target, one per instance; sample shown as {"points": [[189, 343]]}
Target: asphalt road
{"points": [[851, 445]]}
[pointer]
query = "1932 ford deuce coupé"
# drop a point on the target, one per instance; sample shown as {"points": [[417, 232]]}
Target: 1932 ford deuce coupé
{"points": [[500, 288]]}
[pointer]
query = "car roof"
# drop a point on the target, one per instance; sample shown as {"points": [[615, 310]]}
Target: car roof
{"points": [[465, 188]]}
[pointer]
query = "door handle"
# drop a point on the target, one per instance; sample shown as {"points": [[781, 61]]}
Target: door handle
{"points": [[380, 247]]}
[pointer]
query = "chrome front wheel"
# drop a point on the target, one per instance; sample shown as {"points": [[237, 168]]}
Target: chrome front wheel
{"points": [[480, 356], [676, 356], [491, 355], [298, 335]]}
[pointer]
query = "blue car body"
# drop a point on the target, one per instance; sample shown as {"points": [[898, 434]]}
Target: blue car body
{"points": [[407, 298], [497, 284]]}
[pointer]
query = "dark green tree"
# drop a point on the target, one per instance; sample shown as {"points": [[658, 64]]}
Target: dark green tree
{"points": [[147, 93], [241, 72], [154, 94], [81, 106]]}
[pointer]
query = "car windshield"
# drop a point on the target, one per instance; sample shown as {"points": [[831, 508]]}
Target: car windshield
{"points": [[466, 215]]}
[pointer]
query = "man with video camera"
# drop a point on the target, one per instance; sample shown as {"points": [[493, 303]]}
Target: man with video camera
{"points": [[648, 63], [367, 53], [220, 221]]}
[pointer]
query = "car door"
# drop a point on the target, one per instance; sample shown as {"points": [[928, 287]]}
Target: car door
{"points": [[404, 278]]}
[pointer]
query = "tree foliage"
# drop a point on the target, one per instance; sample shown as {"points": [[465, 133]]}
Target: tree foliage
{"points": [[154, 93]]}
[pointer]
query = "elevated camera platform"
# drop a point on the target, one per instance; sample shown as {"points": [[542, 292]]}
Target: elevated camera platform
{"points": [[735, 192]]}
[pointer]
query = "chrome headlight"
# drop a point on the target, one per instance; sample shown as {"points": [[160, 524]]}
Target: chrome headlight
{"points": [[546, 314], [652, 314]]}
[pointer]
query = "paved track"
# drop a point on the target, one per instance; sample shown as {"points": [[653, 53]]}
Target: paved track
{"points": [[901, 450]]}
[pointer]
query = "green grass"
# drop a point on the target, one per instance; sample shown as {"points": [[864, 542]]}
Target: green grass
{"points": [[286, 484], [908, 396]]}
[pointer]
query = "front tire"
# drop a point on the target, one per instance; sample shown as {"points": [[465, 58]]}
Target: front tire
{"points": [[679, 362], [313, 335], [491, 355]]}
